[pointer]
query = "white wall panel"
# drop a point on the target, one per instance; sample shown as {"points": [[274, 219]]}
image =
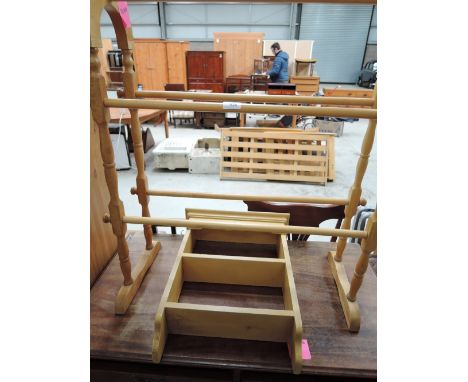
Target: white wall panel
{"points": [[187, 20], [272, 33], [272, 14], [144, 19], [340, 35]]}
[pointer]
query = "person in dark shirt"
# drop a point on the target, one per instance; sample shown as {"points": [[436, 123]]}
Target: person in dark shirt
{"points": [[279, 71]]}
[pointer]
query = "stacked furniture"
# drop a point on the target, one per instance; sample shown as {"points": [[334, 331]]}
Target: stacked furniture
{"points": [[205, 70], [115, 65], [210, 119], [181, 115], [237, 83], [275, 88], [259, 82], [305, 66], [306, 85], [263, 65]]}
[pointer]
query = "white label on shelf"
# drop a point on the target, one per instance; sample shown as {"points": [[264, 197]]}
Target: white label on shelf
{"points": [[231, 105]]}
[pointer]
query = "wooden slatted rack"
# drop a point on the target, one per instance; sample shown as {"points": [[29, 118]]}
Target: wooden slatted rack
{"points": [[277, 154], [226, 321]]}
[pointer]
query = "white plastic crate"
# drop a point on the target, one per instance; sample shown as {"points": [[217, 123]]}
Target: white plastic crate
{"points": [[329, 126], [173, 153], [205, 156]]}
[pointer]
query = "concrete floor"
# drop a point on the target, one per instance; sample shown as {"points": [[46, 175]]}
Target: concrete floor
{"points": [[347, 151]]}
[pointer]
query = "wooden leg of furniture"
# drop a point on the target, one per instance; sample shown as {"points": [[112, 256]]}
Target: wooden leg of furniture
{"points": [[127, 292], [368, 245], [291, 303], [129, 79], [347, 291], [226, 321], [101, 116], [294, 118], [166, 125], [356, 190], [350, 308]]}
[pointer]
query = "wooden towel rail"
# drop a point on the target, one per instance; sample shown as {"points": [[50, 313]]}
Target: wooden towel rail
{"points": [[132, 278], [250, 198], [246, 226], [254, 98], [243, 108]]}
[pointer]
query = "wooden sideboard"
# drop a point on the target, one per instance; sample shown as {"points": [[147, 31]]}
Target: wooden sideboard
{"points": [[205, 70], [343, 92]]}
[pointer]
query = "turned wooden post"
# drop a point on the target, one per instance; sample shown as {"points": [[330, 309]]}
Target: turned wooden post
{"points": [[129, 80], [101, 116], [355, 191], [367, 246], [166, 125]]}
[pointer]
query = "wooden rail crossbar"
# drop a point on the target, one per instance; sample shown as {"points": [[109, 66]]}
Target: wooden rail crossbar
{"points": [[244, 226], [255, 98], [243, 108], [250, 198]]}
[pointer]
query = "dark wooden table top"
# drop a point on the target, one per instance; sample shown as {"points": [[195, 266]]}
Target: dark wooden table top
{"points": [[335, 351]]}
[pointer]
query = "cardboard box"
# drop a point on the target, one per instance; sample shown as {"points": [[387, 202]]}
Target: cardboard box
{"points": [[329, 126]]}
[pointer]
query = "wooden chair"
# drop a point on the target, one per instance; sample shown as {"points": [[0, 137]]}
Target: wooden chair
{"points": [[181, 115], [307, 215]]}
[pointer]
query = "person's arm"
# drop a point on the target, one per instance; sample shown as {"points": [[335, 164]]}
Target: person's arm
{"points": [[275, 69]]}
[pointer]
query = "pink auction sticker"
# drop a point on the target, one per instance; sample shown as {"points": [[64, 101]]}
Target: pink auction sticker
{"points": [[123, 9], [305, 350]]}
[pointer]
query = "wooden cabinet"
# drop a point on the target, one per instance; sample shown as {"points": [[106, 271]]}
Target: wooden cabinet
{"points": [[306, 85], [205, 70], [158, 62], [237, 83], [355, 93], [281, 89], [176, 70], [241, 49]]}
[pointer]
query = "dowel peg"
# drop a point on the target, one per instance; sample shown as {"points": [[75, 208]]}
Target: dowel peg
{"points": [[133, 191], [106, 218]]}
